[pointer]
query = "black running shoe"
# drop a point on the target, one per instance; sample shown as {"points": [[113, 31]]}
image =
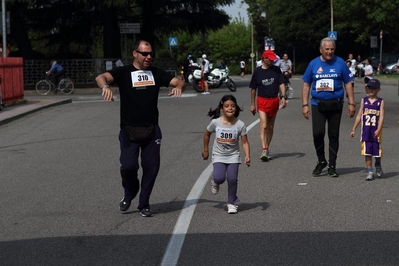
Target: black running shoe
{"points": [[146, 212], [124, 205], [319, 167], [331, 171]]}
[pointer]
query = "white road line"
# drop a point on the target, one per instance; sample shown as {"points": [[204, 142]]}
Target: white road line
{"points": [[182, 96], [94, 99], [253, 124], [176, 241]]}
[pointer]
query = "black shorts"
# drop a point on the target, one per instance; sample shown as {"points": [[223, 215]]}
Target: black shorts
{"points": [[205, 77], [287, 73]]}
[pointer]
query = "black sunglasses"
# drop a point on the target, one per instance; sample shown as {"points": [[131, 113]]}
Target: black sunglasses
{"points": [[145, 54]]}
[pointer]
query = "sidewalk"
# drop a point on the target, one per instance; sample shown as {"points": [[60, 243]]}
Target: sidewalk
{"points": [[10, 113], [36, 102]]}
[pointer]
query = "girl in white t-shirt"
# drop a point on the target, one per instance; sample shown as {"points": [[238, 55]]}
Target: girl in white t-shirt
{"points": [[226, 156]]}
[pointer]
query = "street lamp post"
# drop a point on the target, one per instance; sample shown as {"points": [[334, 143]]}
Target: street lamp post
{"points": [[4, 30], [252, 55], [252, 44], [332, 16]]}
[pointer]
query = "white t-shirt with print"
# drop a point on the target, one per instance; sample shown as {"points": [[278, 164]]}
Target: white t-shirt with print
{"points": [[226, 146]]}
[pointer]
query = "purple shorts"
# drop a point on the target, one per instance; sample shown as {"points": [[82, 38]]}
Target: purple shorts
{"points": [[373, 149]]}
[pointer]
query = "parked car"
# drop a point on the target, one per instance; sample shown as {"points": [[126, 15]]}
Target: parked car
{"points": [[387, 58], [390, 68]]}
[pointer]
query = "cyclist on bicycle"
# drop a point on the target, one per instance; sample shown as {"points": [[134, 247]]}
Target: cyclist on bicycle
{"points": [[286, 67], [57, 70]]}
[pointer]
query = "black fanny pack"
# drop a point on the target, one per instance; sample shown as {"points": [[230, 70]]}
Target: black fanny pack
{"points": [[329, 105], [140, 134]]}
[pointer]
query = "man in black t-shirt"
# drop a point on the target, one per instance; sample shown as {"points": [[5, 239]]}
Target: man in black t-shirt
{"points": [[139, 85]]}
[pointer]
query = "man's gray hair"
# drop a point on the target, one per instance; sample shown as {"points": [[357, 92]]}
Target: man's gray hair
{"points": [[327, 39]]}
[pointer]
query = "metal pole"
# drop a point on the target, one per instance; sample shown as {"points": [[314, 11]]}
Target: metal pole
{"points": [[252, 43], [332, 16], [293, 63], [3, 11], [125, 51], [380, 50]]}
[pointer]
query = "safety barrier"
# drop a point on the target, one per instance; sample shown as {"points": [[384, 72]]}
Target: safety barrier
{"points": [[12, 79]]}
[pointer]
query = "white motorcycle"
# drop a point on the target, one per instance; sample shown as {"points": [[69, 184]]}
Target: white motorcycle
{"points": [[216, 78]]}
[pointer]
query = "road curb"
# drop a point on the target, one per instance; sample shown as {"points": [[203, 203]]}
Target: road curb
{"points": [[15, 112]]}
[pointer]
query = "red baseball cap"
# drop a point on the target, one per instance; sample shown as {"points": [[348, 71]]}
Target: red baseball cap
{"points": [[269, 54]]}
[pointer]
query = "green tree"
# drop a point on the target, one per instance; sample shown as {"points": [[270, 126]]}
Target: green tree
{"points": [[159, 18], [368, 18], [189, 44], [257, 10], [231, 42], [55, 26], [303, 23], [62, 23]]}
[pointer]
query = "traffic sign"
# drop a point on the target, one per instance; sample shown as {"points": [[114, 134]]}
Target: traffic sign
{"points": [[127, 28], [173, 41], [333, 35], [129, 25], [373, 42], [127, 31]]}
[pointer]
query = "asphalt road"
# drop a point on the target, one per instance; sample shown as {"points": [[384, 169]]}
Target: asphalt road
{"points": [[60, 189]]}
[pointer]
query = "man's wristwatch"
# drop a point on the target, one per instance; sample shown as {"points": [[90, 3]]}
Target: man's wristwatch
{"points": [[352, 104], [283, 96], [105, 86]]}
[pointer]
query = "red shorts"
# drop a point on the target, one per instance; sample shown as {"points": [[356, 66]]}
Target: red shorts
{"points": [[269, 106]]}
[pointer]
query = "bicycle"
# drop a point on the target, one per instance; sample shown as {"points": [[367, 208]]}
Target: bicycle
{"points": [[65, 86]]}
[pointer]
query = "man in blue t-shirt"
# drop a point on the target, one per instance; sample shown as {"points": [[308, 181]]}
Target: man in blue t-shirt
{"points": [[324, 79]]}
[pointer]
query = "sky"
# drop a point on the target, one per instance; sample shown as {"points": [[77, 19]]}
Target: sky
{"points": [[236, 8]]}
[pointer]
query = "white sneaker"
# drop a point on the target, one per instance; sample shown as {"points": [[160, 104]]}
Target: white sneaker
{"points": [[378, 171], [290, 93], [370, 176], [203, 93], [231, 208], [208, 92], [214, 188], [263, 156], [268, 155]]}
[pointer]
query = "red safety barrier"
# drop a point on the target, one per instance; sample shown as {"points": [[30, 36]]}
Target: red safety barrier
{"points": [[202, 85], [12, 79]]}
